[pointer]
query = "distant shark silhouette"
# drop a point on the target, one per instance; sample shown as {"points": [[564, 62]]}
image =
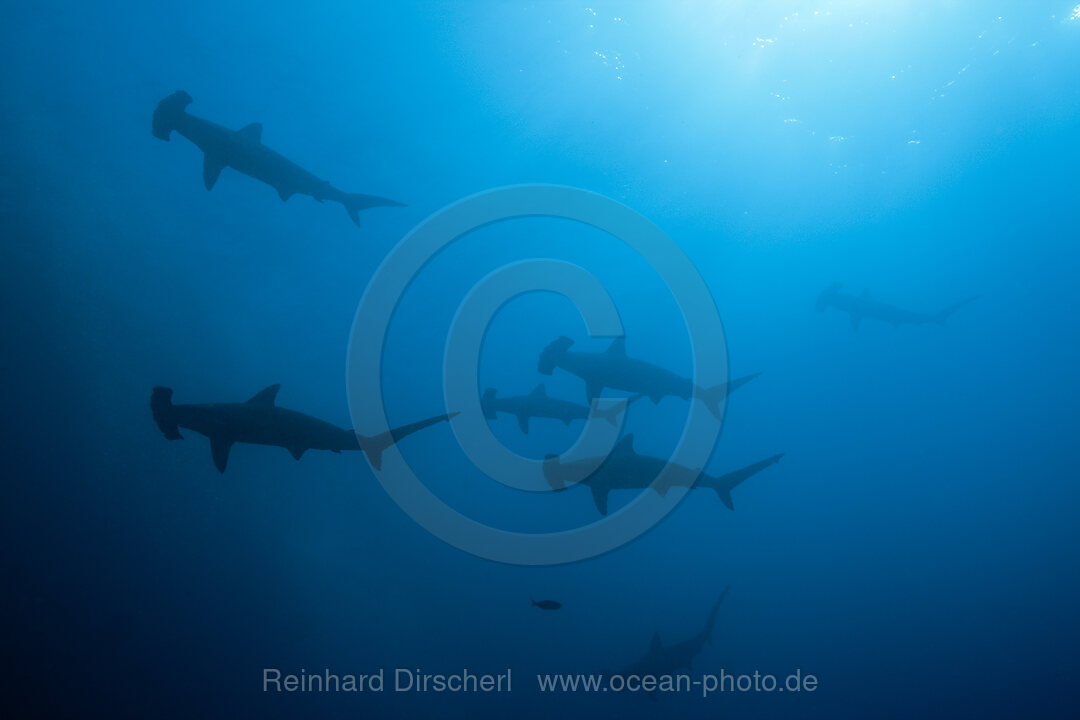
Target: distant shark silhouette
{"points": [[538, 404], [864, 306], [624, 469], [243, 150], [660, 660], [613, 369], [546, 604], [260, 421]]}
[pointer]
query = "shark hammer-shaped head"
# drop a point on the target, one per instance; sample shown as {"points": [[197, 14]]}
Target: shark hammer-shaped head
{"points": [[167, 111]]}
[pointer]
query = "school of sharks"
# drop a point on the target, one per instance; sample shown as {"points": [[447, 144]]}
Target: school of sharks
{"points": [[260, 420]]}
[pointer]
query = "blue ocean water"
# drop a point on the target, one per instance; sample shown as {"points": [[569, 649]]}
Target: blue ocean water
{"points": [[916, 549]]}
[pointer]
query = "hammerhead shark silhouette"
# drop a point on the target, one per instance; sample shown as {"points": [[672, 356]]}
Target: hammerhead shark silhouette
{"points": [[613, 369], [538, 404], [260, 421], [243, 150], [624, 469], [660, 660], [864, 306]]}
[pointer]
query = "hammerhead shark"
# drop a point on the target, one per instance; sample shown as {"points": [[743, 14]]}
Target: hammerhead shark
{"points": [[660, 660], [539, 404], [243, 150], [624, 469], [260, 421], [864, 306], [613, 369]]}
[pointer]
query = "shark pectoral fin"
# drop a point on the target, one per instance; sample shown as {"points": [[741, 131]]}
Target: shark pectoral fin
{"points": [[592, 390], [297, 451], [539, 391], [599, 496], [284, 194], [212, 167], [656, 399], [523, 423], [219, 449]]}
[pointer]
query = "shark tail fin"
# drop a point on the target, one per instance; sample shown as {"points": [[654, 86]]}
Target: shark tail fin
{"points": [[712, 615], [166, 113], [942, 318], [164, 412], [374, 445], [714, 396], [487, 403], [726, 483], [611, 414], [553, 354], [355, 202]]}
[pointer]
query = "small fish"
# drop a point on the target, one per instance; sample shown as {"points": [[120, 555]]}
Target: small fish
{"points": [[546, 604]]}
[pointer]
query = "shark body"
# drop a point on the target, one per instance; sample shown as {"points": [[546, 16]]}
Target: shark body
{"points": [[538, 404], [260, 421], [244, 151], [624, 469], [614, 369], [668, 660], [862, 306]]}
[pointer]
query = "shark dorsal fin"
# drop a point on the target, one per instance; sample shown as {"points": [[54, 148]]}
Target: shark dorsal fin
{"points": [[618, 346], [655, 646], [252, 132], [625, 446], [265, 396], [539, 391]]}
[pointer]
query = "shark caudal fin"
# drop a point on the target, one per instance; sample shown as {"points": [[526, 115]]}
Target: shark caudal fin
{"points": [[714, 396], [167, 112], [611, 414], [942, 318], [164, 412], [355, 202], [711, 623], [487, 404], [726, 483], [374, 446], [553, 354]]}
